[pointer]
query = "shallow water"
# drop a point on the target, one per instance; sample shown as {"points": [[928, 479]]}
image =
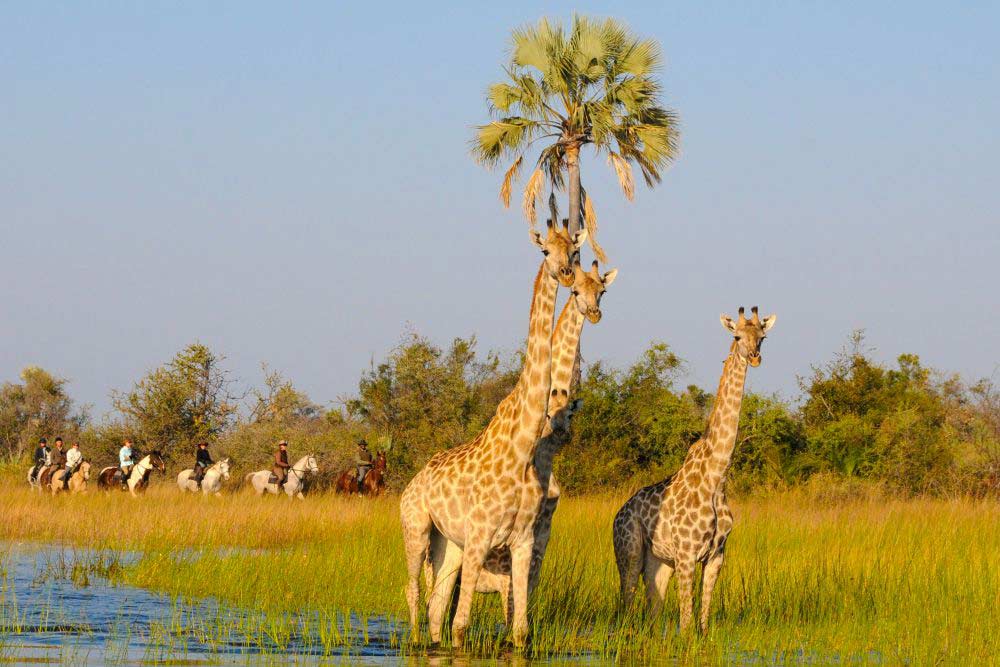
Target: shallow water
{"points": [[59, 605]]}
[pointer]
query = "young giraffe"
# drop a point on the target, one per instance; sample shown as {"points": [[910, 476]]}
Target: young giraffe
{"points": [[584, 302], [486, 494], [684, 519]]}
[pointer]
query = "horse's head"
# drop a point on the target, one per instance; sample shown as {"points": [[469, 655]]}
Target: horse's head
{"points": [[85, 469], [311, 464], [156, 460], [380, 463], [224, 468]]}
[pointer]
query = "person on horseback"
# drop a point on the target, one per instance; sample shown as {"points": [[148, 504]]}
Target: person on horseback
{"points": [[57, 458], [74, 457], [281, 464], [125, 462], [203, 461], [43, 458], [363, 461]]}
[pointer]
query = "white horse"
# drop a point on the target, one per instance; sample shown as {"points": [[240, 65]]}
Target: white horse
{"points": [[261, 480], [210, 483], [138, 478]]}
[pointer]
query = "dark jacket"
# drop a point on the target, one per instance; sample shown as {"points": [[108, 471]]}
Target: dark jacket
{"points": [[364, 458], [204, 458], [40, 455], [281, 465], [58, 458]]}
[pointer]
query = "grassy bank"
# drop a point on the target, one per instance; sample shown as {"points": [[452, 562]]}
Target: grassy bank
{"points": [[866, 580]]}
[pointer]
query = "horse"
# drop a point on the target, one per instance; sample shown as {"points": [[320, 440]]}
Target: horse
{"points": [[210, 483], [264, 480], [373, 484], [77, 481], [138, 480], [35, 483]]}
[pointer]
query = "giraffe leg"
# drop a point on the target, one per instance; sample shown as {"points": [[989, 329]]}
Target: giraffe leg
{"points": [[472, 563], [628, 557], [520, 568], [709, 574], [685, 576], [446, 563], [416, 535], [657, 574]]}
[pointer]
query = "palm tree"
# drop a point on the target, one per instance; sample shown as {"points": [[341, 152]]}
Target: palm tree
{"points": [[591, 85]]}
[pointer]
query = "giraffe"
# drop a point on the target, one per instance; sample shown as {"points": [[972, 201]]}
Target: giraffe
{"points": [[485, 493], [584, 302], [683, 520]]}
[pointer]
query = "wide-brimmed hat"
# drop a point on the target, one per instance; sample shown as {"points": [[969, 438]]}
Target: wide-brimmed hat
{"points": [[282, 442]]}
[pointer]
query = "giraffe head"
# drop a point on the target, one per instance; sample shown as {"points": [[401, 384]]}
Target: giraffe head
{"points": [[749, 334], [561, 410], [588, 288], [559, 249]]}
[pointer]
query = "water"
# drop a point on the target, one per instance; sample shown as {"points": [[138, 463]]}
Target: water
{"points": [[61, 606], [58, 606]]}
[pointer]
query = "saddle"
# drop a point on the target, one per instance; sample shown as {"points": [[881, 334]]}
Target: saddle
{"points": [[46, 475], [273, 479]]}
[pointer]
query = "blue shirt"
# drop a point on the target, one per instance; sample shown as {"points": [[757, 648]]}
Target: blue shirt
{"points": [[125, 456]]}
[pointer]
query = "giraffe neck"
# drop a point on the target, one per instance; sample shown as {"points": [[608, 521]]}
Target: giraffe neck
{"points": [[720, 437], [565, 357], [525, 416]]}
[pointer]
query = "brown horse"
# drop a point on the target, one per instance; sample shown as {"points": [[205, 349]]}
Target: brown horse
{"points": [[374, 484], [138, 480]]}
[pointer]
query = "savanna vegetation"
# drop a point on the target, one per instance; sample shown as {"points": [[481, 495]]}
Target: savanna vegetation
{"points": [[902, 427], [808, 578]]}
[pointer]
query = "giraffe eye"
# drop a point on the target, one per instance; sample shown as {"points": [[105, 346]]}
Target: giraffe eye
{"points": [[738, 337], [545, 252], [575, 293]]}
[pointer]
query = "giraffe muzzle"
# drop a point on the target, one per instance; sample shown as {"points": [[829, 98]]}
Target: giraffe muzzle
{"points": [[594, 315], [754, 360]]}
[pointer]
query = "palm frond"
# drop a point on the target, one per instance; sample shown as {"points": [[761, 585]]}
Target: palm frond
{"points": [[508, 180], [590, 223], [624, 171], [531, 192]]}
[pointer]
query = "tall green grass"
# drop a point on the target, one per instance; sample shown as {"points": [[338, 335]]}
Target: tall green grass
{"points": [[868, 580]]}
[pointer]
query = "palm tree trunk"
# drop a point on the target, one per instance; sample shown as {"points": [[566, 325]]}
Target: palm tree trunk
{"points": [[573, 167]]}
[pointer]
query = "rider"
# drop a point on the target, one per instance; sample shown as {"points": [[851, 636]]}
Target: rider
{"points": [[203, 461], [125, 462], [281, 464], [363, 461], [43, 458], [73, 459], [57, 457]]}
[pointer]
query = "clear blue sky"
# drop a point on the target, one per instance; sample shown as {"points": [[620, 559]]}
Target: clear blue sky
{"points": [[291, 183]]}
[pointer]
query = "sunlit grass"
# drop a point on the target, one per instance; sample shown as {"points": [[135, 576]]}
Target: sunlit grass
{"points": [[868, 580]]}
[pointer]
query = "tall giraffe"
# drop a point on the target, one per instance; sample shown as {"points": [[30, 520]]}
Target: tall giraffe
{"points": [[485, 493], [684, 520], [584, 302]]}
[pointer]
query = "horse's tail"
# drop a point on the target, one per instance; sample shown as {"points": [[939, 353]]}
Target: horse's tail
{"points": [[248, 478]]}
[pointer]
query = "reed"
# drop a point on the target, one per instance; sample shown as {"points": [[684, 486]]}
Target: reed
{"points": [[868, 580]]}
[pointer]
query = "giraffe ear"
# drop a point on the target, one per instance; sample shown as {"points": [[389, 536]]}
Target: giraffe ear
{"points": [[579, 238], [536, 237], [728, 323], [609, 277], [768, 322]]}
